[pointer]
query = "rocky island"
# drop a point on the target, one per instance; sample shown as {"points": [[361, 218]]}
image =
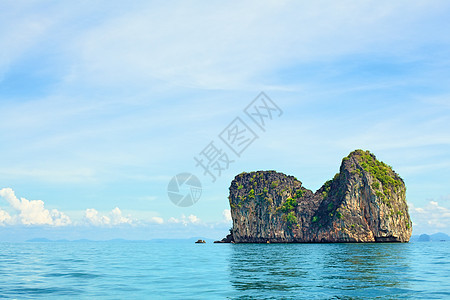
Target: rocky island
{"points": [[364, 202]]}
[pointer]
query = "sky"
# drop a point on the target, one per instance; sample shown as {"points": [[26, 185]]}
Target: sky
{"points": [[102, 103]]}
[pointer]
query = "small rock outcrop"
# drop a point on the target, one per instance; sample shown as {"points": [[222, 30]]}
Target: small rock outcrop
{"points": [[364, 202], [228, 239]]}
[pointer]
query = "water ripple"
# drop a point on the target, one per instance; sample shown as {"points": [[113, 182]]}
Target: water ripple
{"points": [[224, 271]]}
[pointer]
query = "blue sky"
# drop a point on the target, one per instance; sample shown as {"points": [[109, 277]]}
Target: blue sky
{"points": [[102, 103]]}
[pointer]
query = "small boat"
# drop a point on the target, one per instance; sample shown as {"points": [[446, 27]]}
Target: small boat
{"points": [[200, 242]]}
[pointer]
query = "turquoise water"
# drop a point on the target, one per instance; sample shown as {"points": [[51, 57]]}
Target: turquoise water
{"points": [[169, 270]]}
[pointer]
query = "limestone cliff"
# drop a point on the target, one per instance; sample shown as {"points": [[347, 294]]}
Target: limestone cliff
{"points": [[364, 202]]}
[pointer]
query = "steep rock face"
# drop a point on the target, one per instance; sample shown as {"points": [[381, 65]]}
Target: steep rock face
{"points": [[364, 202]]}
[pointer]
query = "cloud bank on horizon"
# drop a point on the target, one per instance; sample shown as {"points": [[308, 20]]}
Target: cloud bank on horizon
{"points": [[32, 213], [102, 104]]}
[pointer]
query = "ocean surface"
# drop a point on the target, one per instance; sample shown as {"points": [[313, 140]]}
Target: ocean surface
{"points": [[181, 270]]}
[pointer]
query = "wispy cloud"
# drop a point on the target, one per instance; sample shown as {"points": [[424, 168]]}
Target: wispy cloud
{"points": [[19, 32], [50, 174], [191, 46], [206, 46]]}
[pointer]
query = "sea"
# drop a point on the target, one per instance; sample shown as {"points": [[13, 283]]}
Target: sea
{"points": [[184, 270]]}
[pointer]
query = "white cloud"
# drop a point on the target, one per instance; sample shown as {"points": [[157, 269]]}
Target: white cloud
{"points": [[157, 220], [5, 218], [114, 217], [431, 218], [191, 219], [92, 217], [227, 215], [32, 212], [194, 219], [117, 218], [59, 218]]}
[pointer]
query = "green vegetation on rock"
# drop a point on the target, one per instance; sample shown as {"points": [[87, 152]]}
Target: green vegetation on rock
{"points": [[381, 171], [356, 171], [330, 206], [326, 188], [290, 219], [289, 205], [299, 194]]}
